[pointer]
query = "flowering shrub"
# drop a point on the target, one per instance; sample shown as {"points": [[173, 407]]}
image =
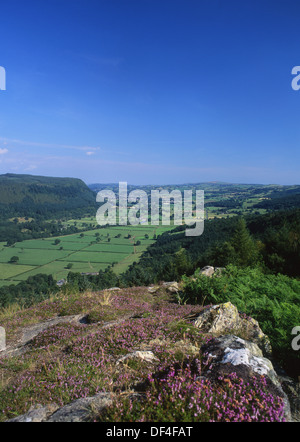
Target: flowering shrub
{"points": [[183, 396], [68, 361]]}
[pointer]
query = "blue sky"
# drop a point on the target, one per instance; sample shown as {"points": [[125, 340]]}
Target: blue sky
{"points": [[151, 91]]}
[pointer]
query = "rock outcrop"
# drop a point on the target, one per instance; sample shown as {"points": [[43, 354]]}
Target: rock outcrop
{"points": [[231, 354], [207, 271], [146, 356], [83, 409], [224, 318], [38, 413], [171, 287], [30, 332], [210, 271], [234, 345], [78, 411]]}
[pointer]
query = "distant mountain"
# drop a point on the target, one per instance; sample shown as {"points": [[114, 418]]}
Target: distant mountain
{"points": [[29, 195]]}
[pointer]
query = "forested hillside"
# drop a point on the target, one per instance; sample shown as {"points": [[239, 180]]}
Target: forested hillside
{"points": [[271, 241], [29, 196], [40, 202]]}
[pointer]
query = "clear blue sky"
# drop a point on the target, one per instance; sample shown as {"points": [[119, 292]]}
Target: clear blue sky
{"points": [[151, 91]]}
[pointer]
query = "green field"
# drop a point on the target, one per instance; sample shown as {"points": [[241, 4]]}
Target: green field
{"points": [[12, 270], [90, 251]]}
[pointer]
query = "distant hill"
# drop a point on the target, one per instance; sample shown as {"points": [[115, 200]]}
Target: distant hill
{"points": [[284, 200], [29, 195], [228, 198]]}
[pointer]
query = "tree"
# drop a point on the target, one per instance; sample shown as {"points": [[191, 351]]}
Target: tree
{"points": [[181, 262], [246, 250], [224, 254], [14, 259]]}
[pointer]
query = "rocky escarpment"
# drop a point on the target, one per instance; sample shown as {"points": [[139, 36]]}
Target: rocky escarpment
{"points": [[136, 344]]}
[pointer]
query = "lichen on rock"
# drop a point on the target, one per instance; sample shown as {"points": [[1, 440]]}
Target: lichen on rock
{"points": [[225, 318]]}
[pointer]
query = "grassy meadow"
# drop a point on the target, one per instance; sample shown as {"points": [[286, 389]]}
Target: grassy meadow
{"points": [[90, 251]]}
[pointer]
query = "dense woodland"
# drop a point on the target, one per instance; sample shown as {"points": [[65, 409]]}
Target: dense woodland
{"points": [[35, 289], [271, 241], [42, 202], [21, 193]]}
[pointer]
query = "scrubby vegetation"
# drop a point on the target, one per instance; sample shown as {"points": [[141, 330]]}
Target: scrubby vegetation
{"points": [[273, 300], [180, 395], [66, 362]]}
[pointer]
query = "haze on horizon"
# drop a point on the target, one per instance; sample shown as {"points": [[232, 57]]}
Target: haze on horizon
{"points": [[151, 92]]}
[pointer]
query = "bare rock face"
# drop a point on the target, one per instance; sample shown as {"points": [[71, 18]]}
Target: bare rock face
{"points": [[207, 271], [231, 354], [224, 318], [146, 356], [32, 331], [36, 414], [153, 289], [2, 339], [218, 319], [292, 389], [80, 410], [172, 287], [236, 351]]}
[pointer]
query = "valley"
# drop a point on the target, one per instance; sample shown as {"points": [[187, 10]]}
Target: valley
{"points": [[85, 252]]}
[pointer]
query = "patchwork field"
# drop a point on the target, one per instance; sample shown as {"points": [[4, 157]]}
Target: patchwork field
{"points": [[86, 252]]}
